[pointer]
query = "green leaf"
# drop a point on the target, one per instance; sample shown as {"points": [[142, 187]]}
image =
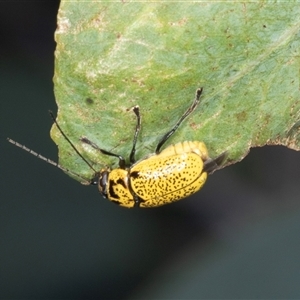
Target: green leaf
{"points": [[111, 56]]}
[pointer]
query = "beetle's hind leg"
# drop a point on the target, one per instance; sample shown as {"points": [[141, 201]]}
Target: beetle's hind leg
{"points": [[136, 110], [212, 165], [183, 117]]}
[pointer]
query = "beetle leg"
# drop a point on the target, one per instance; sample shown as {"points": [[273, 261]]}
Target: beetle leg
{"points": [[121, 158], [212, 165], [183, 117], [136, 110]]}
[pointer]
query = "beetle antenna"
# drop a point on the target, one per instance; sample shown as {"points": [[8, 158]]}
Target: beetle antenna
{"points": [[69, 141], [183, 117], [49, 161]]}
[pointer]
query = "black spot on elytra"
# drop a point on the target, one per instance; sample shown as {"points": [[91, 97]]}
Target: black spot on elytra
{"points": [[134, 174]]}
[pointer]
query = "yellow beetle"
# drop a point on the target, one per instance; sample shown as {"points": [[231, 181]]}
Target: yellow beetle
{"points": [[166, 176]]}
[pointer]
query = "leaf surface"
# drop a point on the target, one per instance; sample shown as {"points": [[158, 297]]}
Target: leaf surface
{"points": [[111, 56]]}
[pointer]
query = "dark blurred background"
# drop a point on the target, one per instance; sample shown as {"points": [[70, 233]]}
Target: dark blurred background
{"points": [[237, 238]]}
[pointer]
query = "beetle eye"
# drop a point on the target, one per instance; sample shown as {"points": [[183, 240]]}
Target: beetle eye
{"points": [[102, 183]]}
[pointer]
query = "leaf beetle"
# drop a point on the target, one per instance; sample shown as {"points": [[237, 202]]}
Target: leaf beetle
{"points": [[163, 177]]}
